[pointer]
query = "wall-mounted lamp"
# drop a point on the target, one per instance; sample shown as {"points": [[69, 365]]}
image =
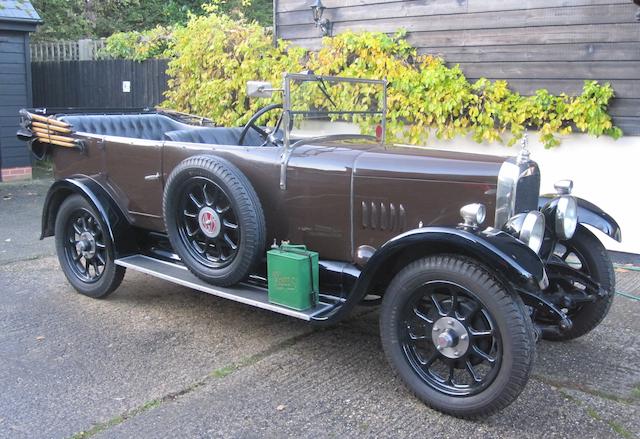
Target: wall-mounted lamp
{"points": [[317, 8]]}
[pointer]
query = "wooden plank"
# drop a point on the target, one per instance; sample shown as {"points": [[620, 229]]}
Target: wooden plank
{"points": [[600, 33], [594, 33], [505, 5], [304, 5], [16, 162], [11, 47], [630, 125], [312, 43], [13, 69], [12, 89], [390, 18], [625, 107], [470, 5], [600, 70], [18, 100], [626, 89], [9, 111], [382, 11], [544, 52]]}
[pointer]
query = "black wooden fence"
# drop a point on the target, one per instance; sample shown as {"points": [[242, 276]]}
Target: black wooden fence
{"points": [[99, 84]]}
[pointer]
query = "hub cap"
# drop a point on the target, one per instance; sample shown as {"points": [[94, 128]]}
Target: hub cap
{"points": [[207, 223], [449, 339]]}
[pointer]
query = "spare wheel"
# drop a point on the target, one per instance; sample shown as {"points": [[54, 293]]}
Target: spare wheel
{"points": [[214, 219]]}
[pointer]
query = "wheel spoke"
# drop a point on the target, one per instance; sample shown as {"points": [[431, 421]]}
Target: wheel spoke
{"points": [[422, 316], [415, 337], [472, 371], [438, 306], [77, 229], [229, 225], [472, 313], [223, 210], [207, 200], [452, 372], [195, 200], [190, 215], [100, 258], [426, 364], [454, 304], [231, 244], [480, 334], [86, 266], [476, 350]]}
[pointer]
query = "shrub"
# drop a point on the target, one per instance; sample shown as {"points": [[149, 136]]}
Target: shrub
{"points": [[213, 56], [139, 46]]}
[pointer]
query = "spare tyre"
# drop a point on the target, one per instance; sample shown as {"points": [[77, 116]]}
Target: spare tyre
{"points": [[214, 219]]}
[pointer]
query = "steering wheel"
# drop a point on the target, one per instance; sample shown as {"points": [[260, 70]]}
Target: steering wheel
{"points": [[251, 124]]}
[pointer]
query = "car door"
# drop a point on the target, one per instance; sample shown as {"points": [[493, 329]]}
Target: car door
{"points": [[134, 172], [317, 199]]}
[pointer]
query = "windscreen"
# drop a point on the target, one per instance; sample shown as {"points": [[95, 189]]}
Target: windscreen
{"points": [[326, 106]]}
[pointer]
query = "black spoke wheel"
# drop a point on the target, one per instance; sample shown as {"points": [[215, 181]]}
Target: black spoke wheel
{"points": [[456, 337], [208, 225], [450, 339], [85, 250], [214, 219], [584, 252]]}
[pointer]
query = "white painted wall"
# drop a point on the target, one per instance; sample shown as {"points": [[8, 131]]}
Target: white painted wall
{"points": [[604, 171]]}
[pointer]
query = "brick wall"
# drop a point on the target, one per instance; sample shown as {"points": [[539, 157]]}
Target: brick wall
{"points": [[15, 174]]}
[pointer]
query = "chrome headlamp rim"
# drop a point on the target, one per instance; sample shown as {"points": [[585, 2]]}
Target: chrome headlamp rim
{"points": [[566, 217], [532, 232], [529, 228], [473, 214]]}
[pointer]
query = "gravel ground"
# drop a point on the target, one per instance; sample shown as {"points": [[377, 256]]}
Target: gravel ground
{"points": [[158, 360]]}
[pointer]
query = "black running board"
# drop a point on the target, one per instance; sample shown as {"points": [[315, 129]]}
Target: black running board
{"points": [[243, 293]]}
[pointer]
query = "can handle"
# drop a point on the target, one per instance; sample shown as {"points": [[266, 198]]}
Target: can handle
{"points": [[291, 247]]}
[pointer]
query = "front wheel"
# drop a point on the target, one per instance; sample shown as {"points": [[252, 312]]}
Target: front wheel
{"points": [[585, 252], [456, 337], [85, 250]]}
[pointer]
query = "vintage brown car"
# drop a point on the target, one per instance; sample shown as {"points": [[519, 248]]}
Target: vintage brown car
{"points": [[470, 264]]}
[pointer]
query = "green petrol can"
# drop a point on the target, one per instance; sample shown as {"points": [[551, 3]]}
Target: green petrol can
{"points": [[293, 276]]}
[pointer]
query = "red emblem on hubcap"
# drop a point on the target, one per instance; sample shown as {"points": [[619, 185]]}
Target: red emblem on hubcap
{"points": [[208, 222]]}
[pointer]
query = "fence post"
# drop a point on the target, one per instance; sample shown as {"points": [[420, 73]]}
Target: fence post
{"points": [[84, 49]]}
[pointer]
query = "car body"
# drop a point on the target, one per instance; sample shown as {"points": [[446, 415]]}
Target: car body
{"points": [[368, 208]]}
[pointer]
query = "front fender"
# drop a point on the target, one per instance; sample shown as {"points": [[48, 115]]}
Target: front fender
{"points": [[497, 250], [118, 226], [589, 213], [504, 255]]}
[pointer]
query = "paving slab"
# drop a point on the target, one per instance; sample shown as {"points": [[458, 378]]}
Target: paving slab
{"points": [[21, 219], [336, 384], [68, 361]]}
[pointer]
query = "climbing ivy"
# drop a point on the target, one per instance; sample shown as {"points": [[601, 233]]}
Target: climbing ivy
{"points": [[214, 55]]}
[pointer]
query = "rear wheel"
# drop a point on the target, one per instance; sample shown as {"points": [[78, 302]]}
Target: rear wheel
{"points": [[85, 250], [214, 219], [456, 337]]}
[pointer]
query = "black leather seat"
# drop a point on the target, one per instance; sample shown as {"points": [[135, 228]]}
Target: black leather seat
{"points": [[215, 136], [138, 126]]}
